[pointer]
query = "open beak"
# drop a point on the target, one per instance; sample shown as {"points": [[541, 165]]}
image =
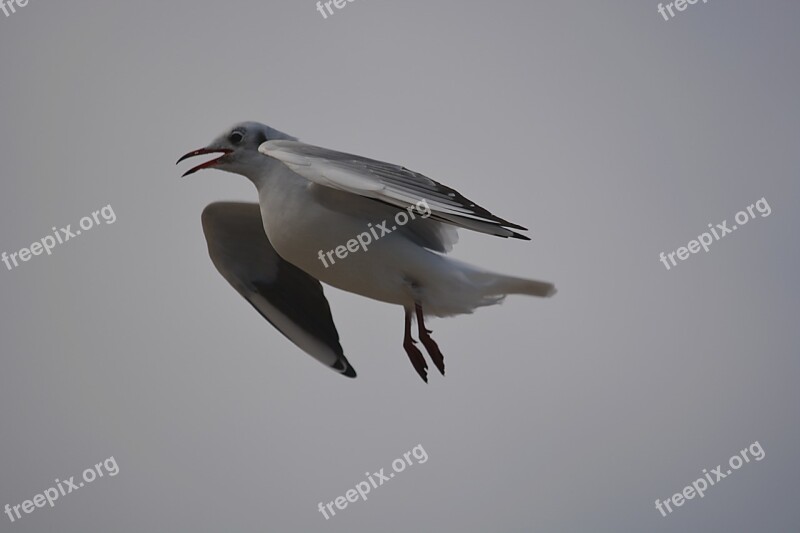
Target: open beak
{"points": [[207, 164]]}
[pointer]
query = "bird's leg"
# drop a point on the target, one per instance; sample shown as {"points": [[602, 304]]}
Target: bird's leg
{"points": [[413, 352], [429, 344]]}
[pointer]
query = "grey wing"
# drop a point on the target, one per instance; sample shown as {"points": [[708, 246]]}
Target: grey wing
{"points": [[287, 297], [388, 183]]}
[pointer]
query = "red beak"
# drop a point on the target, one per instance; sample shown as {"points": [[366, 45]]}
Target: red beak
{"points": [[207, 164]]}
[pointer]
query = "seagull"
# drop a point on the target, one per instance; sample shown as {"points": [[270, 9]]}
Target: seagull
{"points": [[313, 200]]}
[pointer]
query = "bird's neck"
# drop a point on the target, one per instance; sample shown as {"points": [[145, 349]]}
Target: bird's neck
{"points": [[270, 175], [258, 169]]}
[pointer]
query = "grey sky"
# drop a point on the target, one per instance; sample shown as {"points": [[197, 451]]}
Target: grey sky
{"points": [[612, 134]]}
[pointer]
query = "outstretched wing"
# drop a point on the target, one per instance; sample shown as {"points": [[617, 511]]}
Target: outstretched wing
{"points": [[387, 183], [287, 297]]}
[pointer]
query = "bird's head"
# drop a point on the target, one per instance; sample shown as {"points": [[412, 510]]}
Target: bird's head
{"points": [[238, 147]]}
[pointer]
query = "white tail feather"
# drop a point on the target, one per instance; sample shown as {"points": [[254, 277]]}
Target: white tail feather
{"points": [[467, 287]]}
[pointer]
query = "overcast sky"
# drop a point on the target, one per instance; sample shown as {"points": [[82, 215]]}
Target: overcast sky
{"points": [[612, 134]]}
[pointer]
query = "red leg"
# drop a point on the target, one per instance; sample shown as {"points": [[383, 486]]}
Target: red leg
{"points": [[414, 355], [429, 344]]}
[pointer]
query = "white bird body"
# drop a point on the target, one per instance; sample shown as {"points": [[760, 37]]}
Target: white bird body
{"points": [[301, 218]]}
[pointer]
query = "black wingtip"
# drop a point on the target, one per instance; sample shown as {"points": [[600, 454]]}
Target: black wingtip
{"points": [[515, 235], [344, 367]]}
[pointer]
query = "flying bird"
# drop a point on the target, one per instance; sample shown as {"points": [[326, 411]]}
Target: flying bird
{"points": [[314, 201]]}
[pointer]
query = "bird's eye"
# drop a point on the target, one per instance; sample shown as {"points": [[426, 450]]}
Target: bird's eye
{"points": [[236, 137]]}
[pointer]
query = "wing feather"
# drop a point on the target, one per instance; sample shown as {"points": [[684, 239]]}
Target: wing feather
{"points": [[291, 300], [388, 183]]}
